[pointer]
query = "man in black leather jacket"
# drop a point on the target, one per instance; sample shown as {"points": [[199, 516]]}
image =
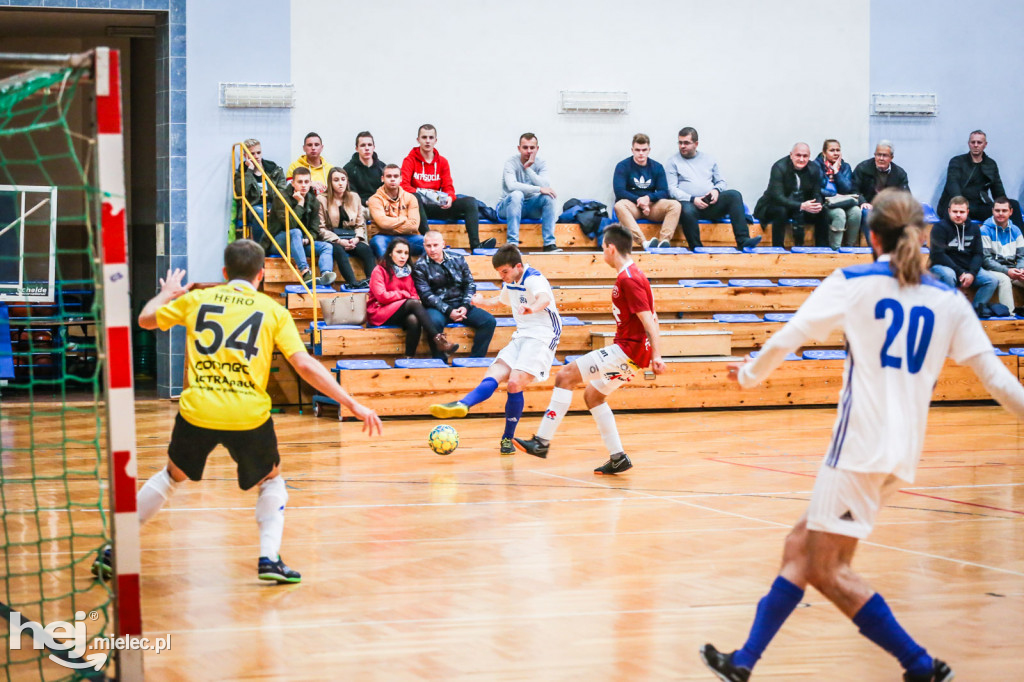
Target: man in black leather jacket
{"points": [[446, 287], [975, 175], [794, 196]]}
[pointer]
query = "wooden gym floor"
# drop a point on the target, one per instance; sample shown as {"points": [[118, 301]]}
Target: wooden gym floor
{"points": [[481, 567]]}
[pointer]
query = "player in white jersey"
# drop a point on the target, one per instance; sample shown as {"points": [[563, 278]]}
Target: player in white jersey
{"points": [[900, 325], [530, 352]]}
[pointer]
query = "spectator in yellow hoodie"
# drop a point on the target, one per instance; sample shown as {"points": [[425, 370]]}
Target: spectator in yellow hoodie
{"points": [[394, 213], [318, 166]]}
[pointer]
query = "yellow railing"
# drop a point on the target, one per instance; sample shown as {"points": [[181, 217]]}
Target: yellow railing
{"points": [[238, 152]]}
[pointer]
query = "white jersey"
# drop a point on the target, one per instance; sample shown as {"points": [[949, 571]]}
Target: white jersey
{"points": [[897, 341], [544, 325]]}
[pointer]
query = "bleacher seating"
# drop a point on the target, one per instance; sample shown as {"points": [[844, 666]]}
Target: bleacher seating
{"points": [[713, 307]]}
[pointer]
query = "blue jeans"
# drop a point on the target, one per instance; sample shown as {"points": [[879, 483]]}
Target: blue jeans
{"points": [[516, 206], [379, 243], [984, 283], [324, 252], [480, 320]]}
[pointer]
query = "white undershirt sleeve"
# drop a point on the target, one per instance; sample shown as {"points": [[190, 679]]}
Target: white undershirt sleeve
{"points": [[780, 344], [999, 381]]}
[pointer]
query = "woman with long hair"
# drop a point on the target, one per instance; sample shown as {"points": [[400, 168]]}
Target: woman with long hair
{"points": [[900, 325], [343, 226], [393, 301]]}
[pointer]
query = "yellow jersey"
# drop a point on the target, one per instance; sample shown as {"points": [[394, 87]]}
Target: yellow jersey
{"points": [[232, 332]]}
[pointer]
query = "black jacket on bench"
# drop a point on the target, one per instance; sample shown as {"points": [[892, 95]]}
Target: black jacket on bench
{"points": [[446, 285]]}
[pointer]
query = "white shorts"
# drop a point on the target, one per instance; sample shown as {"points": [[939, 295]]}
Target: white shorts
{"points": [[847, 502], [532, 356], [606, 368]]}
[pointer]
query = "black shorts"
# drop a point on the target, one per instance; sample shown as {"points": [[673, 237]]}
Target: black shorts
{"points": [[254, 450]]}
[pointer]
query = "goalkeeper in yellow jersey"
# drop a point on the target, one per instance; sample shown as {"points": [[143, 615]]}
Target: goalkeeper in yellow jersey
{"points": [[232, 332]]}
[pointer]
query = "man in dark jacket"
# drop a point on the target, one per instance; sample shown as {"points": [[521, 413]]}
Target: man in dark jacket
{"points": [[304, 204], [794, 196], [365, 170], [975, 175], [957, 255], [446, 288], [873, 175], [249, 183]]}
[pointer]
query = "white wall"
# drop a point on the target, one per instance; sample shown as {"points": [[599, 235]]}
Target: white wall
{"points": [[977, 85], [748, 74], [215, 55]]}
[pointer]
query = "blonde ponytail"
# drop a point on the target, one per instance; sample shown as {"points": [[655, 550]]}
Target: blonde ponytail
{"points": [[898, 220]]}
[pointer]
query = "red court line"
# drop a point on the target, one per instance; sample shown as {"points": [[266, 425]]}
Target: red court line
{"points": [[905, 492]]}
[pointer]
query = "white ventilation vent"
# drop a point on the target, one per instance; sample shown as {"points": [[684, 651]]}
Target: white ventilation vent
{"points": [[892, 104], [257, 95], [587, 102]]}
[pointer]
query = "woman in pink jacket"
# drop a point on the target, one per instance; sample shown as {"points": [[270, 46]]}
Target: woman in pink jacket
{"points": [[393, 301]]}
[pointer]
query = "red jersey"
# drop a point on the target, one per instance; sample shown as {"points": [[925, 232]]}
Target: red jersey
{"points": [[631, 295]]}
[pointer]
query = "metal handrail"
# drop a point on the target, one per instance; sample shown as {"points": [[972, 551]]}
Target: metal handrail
{"points": [[238, 192]]}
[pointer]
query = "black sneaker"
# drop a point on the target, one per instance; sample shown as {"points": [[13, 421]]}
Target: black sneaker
{"points": [[103, 567], [552, 248], [665, 244], [721, 665], [751, 243], [487, 244], [507, 447], [277, 571], [615, 466], [455, 410], [532, 447], [941, 672]]}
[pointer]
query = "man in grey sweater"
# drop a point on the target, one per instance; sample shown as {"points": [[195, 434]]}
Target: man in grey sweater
{"points": [[696, 183], [526, 193]]}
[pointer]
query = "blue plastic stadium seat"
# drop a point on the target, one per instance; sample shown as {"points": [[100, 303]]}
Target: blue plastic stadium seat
{"points": [[472, 362], [484, 252], [670, 250], [345, 287], [574, 358], [766, 249], [778, 317], [569, 321], [930, 216], [791, 356], [824, 355], [812, 249], [362, 364], [701, 283], [716, 249], [419, 363], [274, 255], [797, 282], [487, 286], [505, 321], [433, 221], [736, 317], [461, 252], [299, 289], [1003, 317], [855, 249], [1017, 351], [1000, 351], [752, 283]]}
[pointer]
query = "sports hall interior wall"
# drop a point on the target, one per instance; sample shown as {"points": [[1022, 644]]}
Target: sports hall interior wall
{"points": [[970, 56]]}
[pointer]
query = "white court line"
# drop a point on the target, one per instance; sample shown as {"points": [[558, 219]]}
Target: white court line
{"points": [[961, 562]]}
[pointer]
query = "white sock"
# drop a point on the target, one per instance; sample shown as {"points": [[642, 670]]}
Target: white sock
{"points": [[154, 494], [561, 398], [270, 515], [606, 425]]}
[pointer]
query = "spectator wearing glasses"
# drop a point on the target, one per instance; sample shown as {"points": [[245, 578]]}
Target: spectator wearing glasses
{"points": [[871, 176]]}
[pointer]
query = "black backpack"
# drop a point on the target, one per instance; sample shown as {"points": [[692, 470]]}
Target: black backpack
{"points": [[588, 213]]}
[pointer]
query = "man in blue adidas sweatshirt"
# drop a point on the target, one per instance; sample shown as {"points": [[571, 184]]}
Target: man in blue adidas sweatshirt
{"points": [[641, 192], [1003, 248]]}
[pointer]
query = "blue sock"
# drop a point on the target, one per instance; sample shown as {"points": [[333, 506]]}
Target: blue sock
{"points": [[482, 392], [876, 622], [513, 411], [772, 611]]}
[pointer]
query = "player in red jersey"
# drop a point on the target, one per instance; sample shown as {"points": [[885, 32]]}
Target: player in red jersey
{"points": [[605, 369]]}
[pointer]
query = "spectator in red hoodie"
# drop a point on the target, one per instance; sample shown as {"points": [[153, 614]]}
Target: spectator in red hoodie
{"points": [[426, 174]]}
